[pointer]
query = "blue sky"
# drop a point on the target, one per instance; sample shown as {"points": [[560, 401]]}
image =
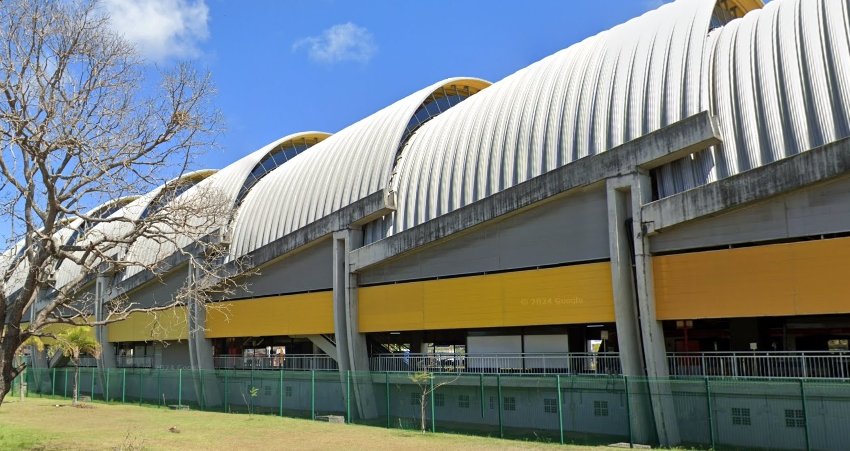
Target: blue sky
{"points": [[288, 66]]}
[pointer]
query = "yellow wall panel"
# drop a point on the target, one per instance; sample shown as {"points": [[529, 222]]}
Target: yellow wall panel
{"points": [[800, 278], [167, 324], [399, 304], [563, 295], [295, 314]]}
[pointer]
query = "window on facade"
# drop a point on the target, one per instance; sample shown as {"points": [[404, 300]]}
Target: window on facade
{"points": [[274, 159], [169, 192], [439, 400], [463, 401], [550, 405], [600, 408], [288, 391], [509, 403], [794, 418], [437, 103], [741, 416]]}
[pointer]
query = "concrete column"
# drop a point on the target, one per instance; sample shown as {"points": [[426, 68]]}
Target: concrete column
{"points": [[640, 336], [101, 296], [652, 333], [622, 277], [200, 348], [351, 345], [629, 340]]}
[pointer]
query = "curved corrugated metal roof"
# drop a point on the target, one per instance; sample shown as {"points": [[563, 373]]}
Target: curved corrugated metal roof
{"points": [[225, 183], [778, 81], [606, 90], [69, 272], [350, 165]]}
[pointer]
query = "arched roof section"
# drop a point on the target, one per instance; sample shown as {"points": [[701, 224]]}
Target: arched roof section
{"points": [[778, 83], [602, 92], [69, 271], [348, 166], [235, 180], [73, 228]]}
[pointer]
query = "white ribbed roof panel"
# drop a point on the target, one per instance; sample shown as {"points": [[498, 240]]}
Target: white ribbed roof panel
{"points": [[224, 185], [779, 85], [348, 166], [69, 272], [606, 90]]}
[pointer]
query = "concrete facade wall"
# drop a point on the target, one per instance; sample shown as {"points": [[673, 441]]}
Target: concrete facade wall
{"points": [[571, 229], [159, 292], [307, 270], [820, 209]]}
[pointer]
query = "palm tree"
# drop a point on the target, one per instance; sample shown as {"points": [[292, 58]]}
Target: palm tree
{"points": [[73, 342]]}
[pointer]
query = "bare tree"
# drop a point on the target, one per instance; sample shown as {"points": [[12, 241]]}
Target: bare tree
{"points": [[426, 380], [83, 133]]}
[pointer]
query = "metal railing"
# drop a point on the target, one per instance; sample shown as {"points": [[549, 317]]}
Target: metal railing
{"points": [[774, 364], [134, 362], [291, 362], [538, 363], [86, 362], [771, 364]]}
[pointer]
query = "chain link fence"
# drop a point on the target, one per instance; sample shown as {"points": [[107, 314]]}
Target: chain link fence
{"points": [[718, 413]]}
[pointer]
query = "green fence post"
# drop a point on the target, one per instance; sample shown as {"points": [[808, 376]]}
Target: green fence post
{"points": [[123, 385], [281, 393], [140, 388], [710, 412], [805, 413], [92, 383], [499, 394], [387, 381], [481, 387], [226, 399], [65, 389], [251, 387], [348, 396], [160, 399], [53, 383], [431, 393], [629, 411], [106, 387], [312, 394], [561, 407], [179, 387], [202, 396]]}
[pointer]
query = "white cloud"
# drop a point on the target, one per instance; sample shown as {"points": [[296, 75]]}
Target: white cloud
{"points": [[342, 42], [161, 29]]}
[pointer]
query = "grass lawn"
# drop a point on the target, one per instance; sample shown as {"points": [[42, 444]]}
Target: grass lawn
{"points": [[37, 423]]}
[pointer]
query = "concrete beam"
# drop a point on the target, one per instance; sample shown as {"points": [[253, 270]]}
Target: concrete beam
{"points": [[789, 174], [675, 141], [373, 206]]}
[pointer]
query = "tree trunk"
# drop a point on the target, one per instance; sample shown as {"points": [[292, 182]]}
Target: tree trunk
{"points": [[7, 355], [422, 411], [76, 384]]}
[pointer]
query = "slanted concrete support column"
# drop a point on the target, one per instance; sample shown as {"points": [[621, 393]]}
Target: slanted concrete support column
{"points": [[353, 354], [622, 276], [200, 347], [102, 289], [640, 334]]}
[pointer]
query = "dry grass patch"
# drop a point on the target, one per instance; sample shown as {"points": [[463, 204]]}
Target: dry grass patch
{"points": [[39, 424]]}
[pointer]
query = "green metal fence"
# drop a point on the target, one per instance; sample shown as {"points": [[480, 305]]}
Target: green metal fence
{"points": [[706, 413]]}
